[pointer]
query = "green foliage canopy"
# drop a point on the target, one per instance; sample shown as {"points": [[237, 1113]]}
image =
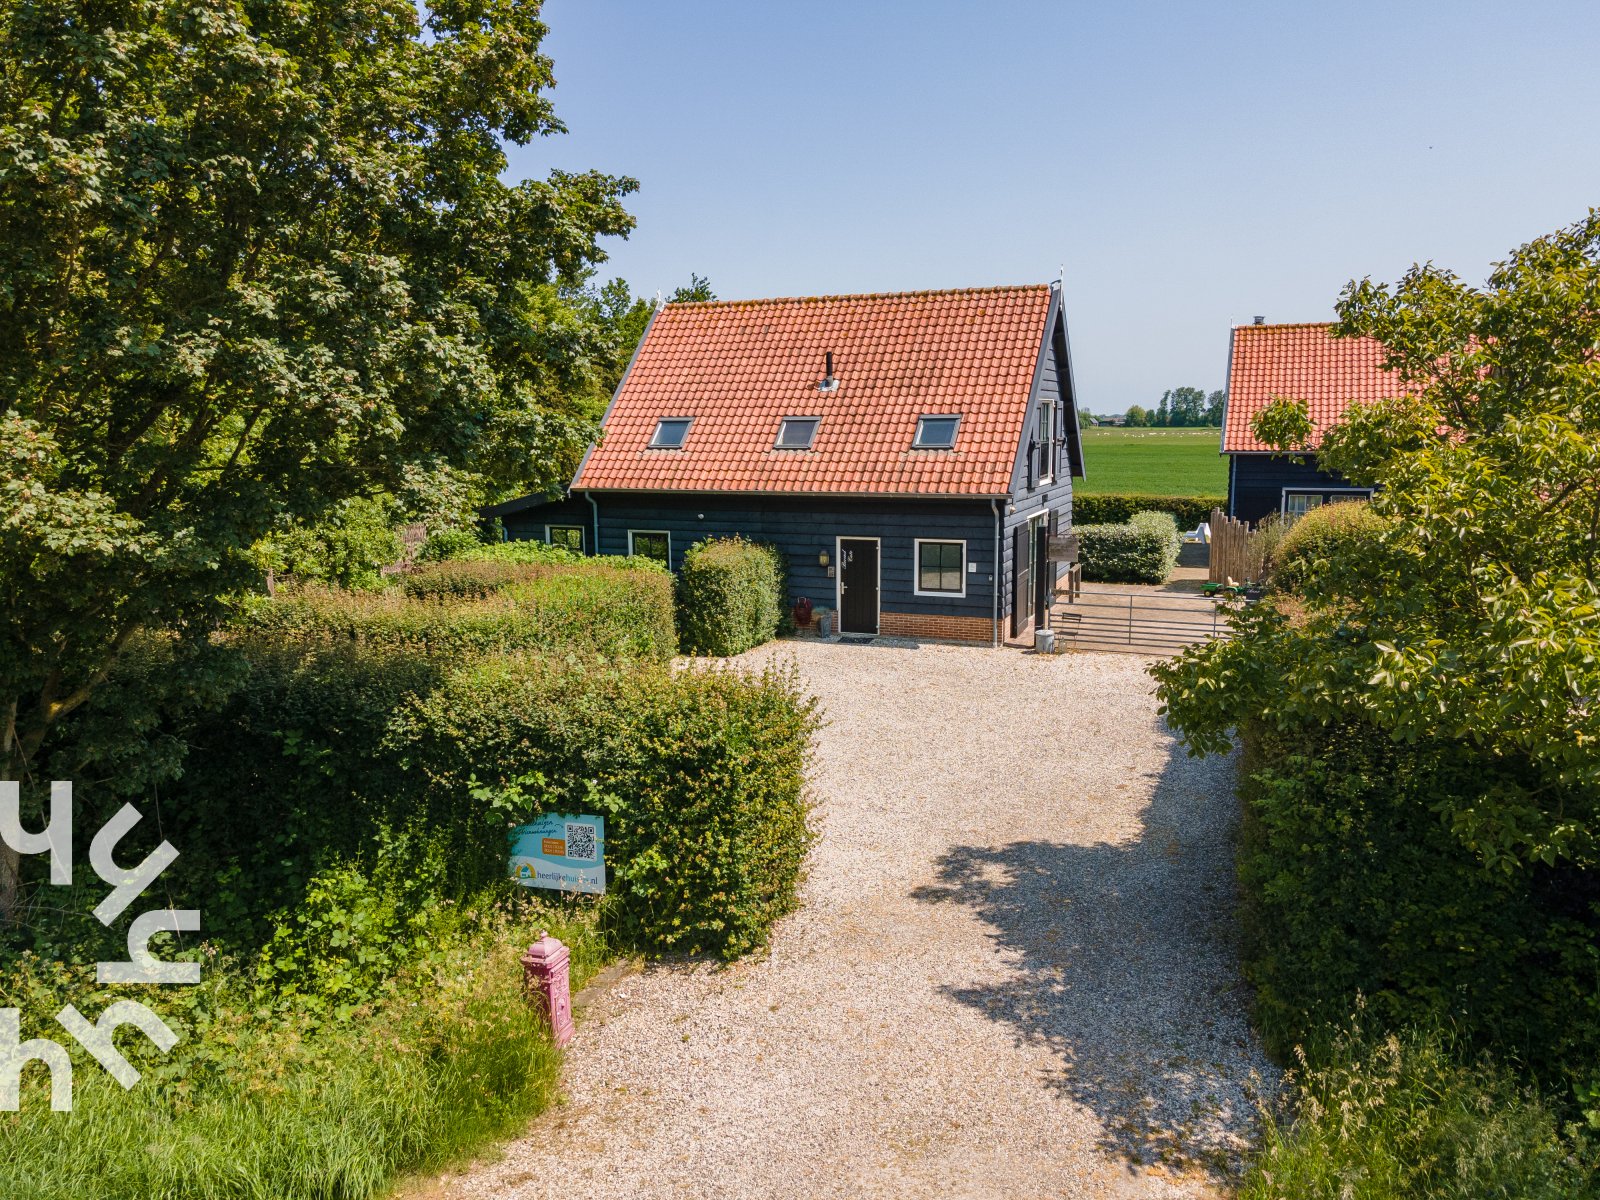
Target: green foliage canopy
{"points": [[1475, 616], [731, 595], [256, 259]]}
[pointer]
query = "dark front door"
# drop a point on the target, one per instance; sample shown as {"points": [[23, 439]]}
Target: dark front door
{"points": [[1022, 578], [858, 585], [1044, 574], [1032, 575]]}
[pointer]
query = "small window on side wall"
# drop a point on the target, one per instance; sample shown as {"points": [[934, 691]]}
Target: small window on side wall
{"points": [[941, 568], [797, 433], [936, 433], [568, 537], [653, 544], [671, 433]]}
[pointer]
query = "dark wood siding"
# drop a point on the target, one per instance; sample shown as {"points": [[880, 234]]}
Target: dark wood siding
{"points": [[1256, 483], [528, 523], [803, 527], [1029, 496]]}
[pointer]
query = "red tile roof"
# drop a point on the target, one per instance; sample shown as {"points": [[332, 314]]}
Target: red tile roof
{"points": [[738, 368], [1302, 362]]}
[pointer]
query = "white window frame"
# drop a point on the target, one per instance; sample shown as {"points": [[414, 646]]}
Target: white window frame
{"points": [[666, 533], [656, 432], [838, 581], [583, 538], [1283, 498], [954, 437], [777, 440], [916, 567]]}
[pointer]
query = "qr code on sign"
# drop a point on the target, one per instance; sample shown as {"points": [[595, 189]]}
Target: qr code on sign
{"points": [[580, 842]]}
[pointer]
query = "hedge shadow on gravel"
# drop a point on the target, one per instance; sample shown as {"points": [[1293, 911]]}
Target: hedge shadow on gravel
{"points": [[1130, 977]]}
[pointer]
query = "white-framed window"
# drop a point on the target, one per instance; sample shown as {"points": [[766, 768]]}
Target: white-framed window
{"points": [[936, 432], [1298, 502], [796, 433], [651, 543], [941, 567], [568, 537], [1045, 441], [671, 433]]}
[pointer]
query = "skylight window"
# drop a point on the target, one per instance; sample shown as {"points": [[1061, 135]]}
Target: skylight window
{"points": [[797, 433], [936, 433], [670, 433]]}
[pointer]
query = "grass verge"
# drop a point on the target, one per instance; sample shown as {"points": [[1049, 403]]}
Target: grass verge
{"points": [[289, 1101], [1405, 1118]]}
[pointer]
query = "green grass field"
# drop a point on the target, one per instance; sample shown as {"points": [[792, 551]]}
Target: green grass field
{"points": [[1157, 462]]}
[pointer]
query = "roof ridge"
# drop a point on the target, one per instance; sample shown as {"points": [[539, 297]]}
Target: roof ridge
{"points": [[960, 291], [1289, 325]]}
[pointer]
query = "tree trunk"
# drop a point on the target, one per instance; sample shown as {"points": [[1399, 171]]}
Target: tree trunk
{"points": [[11, 764]]}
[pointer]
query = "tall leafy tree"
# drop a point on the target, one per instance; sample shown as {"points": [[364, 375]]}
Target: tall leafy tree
{"points": [[1472, 624], [257, 258]]}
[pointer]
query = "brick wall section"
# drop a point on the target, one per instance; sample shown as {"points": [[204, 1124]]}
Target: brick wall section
{"points": [[927, 625]]}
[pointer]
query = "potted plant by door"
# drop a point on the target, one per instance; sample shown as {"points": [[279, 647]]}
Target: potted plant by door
{"points": [[802, 613]]}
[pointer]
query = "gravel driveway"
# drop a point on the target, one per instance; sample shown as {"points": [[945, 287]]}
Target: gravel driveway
{"points": [[1012, 974]]}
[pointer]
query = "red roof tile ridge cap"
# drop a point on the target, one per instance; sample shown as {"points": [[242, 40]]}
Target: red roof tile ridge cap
{"points": [[832, 296], [1290, 325]]}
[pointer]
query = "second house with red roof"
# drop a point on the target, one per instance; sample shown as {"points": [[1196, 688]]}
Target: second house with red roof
{"points": [[909, 454], [1308, 364]]}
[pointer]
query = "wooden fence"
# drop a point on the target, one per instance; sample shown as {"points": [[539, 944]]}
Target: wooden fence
{"points": [[1235, 550]]}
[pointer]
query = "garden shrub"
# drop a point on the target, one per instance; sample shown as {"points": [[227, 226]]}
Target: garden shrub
{"points": [[536, 552], [1313, 540], [1188, 511], [1352, 885], [730, 596], [1124, 553], [1404, 1118], [589, 607], [461, 580], [1164, 526], [698, 773], [338, 762], [447, 544], [350, 549]]}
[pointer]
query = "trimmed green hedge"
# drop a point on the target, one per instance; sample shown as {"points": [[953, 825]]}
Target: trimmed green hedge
{"points": [[1164, 526], [699, 774], [527, 552], [1188, 511], [1353, 887], [413, 767], [601, 607], [1128, 553], [463, 580], [730, 596]]}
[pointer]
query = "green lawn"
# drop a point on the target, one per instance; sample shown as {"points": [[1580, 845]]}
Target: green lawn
{"points": [[1158, 462]]}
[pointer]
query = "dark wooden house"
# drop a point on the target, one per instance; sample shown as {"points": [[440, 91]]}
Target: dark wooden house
{"points": [[908, 453], [1300, 362]]}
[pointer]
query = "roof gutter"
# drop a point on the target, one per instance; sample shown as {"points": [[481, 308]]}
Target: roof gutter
{"points": [[595, 504]]}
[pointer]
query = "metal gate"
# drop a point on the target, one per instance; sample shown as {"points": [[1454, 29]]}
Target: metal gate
{"points": [[1139, 621]]}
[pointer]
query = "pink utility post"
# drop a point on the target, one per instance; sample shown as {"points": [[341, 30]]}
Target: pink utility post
{"points": [[544, 970]]}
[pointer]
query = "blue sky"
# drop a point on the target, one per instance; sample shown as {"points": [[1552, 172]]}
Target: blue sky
{"points": [[1189, 164]]}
